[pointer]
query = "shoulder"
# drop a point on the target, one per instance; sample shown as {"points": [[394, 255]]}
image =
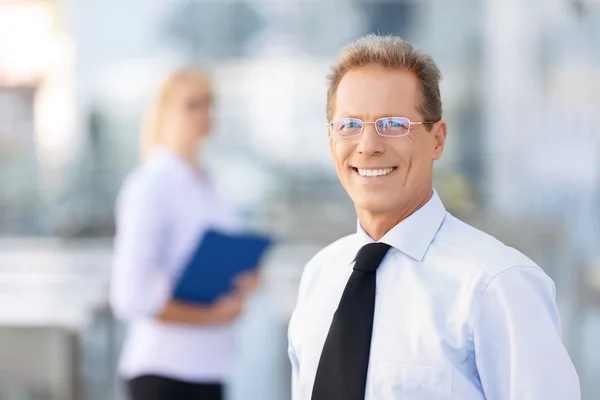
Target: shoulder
{"points": [[147, 183], [333, 254], [476, 250], [488, 270], [336, 249]]}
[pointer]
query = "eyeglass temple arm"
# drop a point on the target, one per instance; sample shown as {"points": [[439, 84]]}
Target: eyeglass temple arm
{"points": [[423, 122]]}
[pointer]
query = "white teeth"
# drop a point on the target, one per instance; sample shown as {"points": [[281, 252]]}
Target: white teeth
{"points": [[374, 172]]}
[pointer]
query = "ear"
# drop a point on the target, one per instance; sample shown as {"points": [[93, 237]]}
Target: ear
{"points": [[439, 139]]}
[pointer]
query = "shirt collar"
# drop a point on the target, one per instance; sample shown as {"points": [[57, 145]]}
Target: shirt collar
{"points": [[414, 235]]}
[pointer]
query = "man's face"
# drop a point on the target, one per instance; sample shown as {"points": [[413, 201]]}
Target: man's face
{"points": [[370, 93]]}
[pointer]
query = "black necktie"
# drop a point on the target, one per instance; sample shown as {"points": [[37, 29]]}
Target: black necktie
{"points": [[342, 370]]}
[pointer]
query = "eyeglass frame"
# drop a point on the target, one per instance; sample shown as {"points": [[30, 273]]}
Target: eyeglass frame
{"points": [[410, 123]]}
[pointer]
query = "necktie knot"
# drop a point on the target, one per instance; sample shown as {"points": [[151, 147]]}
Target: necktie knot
{"points": [[370, 256]]}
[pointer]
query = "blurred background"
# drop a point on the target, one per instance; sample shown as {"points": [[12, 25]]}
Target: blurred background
{"points": [[521, 93]]}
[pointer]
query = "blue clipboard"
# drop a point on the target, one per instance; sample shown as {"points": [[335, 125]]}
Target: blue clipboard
{"points": [[218, 259]]}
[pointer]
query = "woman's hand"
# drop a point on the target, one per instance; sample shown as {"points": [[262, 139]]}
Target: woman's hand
{"points": [[228, 307], [247, 282], [225, 309]]}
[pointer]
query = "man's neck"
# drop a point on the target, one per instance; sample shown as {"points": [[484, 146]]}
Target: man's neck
{"points": [[376, 225]]}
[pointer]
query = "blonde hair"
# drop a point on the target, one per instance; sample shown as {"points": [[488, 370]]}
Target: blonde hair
{"points": [[390, 52], [152, 134]]}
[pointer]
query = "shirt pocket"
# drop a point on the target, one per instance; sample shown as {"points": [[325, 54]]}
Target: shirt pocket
{"points": [[408, 381]]}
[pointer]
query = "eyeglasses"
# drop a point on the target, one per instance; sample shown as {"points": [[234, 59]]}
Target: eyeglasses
{"points": [[388, 126]]}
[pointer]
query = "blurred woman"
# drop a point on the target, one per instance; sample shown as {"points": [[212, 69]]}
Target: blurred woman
{"points": [[173, 350]]}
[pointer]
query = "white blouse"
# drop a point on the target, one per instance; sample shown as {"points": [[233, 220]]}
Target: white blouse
{"points": [[162, 210]]}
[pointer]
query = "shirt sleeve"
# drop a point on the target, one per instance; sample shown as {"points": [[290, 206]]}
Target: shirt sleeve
{"points": [[293, 357], [139, 285], [518, 348], [295, 370], [304, 288]]}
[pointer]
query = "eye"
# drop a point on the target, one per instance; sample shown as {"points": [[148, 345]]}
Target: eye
{"points": [[346, 127], [392, 123], [346, 124], [393, 126]]}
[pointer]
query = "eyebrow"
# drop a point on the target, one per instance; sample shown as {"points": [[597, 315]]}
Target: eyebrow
{"points": [[350, 116]]}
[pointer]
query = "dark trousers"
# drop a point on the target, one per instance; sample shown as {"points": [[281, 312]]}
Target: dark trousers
{"points": [[152, 387]]}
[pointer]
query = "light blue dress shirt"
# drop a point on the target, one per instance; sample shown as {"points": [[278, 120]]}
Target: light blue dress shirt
{"points": [[458, 315]]}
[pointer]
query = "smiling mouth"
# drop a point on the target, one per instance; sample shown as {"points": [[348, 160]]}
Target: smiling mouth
{"points": [[374, 173]]}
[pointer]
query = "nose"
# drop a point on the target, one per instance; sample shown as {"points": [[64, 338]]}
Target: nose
{"points": [[370, 142]]}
